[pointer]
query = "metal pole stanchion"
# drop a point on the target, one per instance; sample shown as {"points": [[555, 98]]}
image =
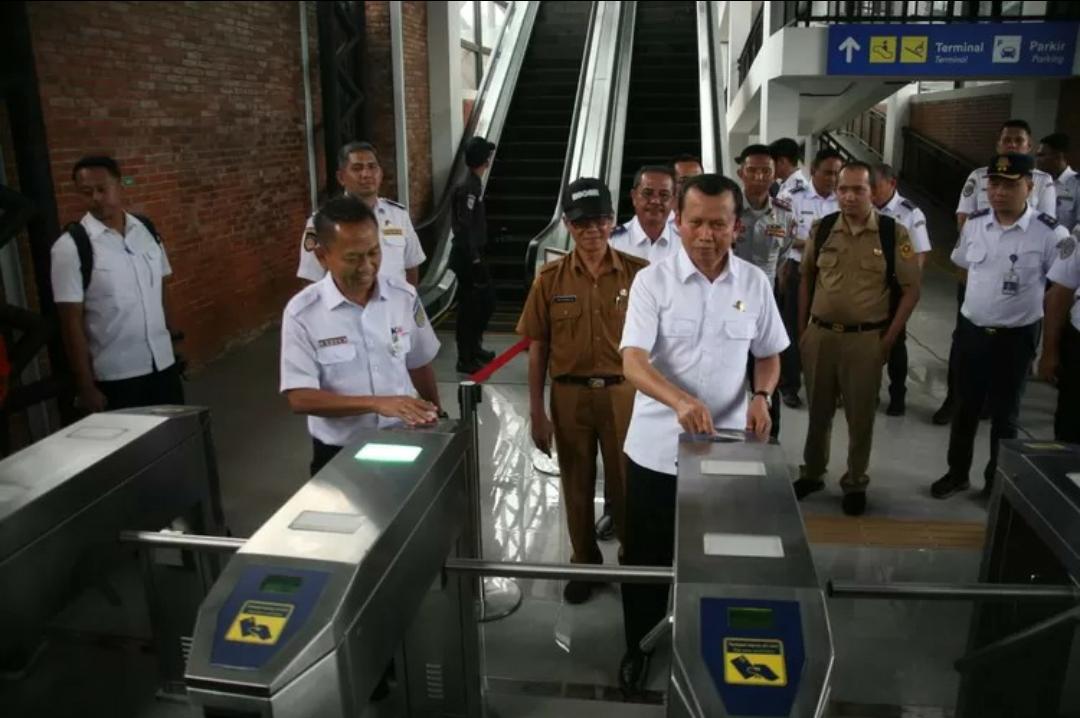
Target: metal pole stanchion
{"points": [[499, 597]]}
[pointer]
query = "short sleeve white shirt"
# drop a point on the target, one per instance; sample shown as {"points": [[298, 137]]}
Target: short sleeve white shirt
{"points": [[123, 314], [631, 239], [400, 244], [333, 344], [989, 252], [911, 218], [1066, 272], [698, 335], [1067, 187], [807, 207]]}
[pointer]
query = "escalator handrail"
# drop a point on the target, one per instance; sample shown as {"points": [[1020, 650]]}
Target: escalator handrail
{"points": [[432, 285], [571, 148], [615, 132], [708, 88]]}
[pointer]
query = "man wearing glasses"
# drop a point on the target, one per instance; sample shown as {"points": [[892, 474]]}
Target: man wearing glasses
{"points": [[573, 319], [649, 235]]}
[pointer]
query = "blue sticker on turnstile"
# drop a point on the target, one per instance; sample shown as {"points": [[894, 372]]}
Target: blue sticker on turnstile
{"points": [[754, 652], [267, 606]]}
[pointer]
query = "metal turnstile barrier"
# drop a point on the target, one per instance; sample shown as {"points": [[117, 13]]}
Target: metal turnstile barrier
{"points": [[64, 499], [1023, 656]]}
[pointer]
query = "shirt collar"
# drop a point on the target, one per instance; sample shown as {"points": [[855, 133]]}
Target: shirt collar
{"points": [[638, 236], [870, 226], [616, 262], [95, 227], [893, 204], [684, 266], [1066, 175], [331, 296], [811, 190], [1022, 222]]}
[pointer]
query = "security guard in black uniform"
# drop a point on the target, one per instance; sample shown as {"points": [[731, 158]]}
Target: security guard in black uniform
{"points": [[1007, 251], [476, 295]]}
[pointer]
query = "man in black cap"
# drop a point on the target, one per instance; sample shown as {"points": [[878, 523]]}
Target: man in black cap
{"points": [[476, 295], [1006, 250], [574, 319]]}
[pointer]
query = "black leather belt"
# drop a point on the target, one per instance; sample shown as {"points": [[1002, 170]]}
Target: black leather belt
{"points": [[593, 382], [850, 328]]}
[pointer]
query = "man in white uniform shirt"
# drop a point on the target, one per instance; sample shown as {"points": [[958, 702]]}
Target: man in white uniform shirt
{"points": [[809, 203], [891, 204], [1006, 251], [789, 176], [692, 321], [649, 235], [360, 176], [110, 300], [1052, 158], [356, 346], [1060, 362]]}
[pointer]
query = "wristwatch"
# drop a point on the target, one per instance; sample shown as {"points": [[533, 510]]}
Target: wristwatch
{"points": [[767, 395]]}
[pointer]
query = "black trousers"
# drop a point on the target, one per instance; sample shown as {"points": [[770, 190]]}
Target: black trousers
{"points": [[1067, 416], [158, 387], [898, 367], [650, 541], [774, 405], [790, 363], [950, 380], [321, 454], [990, 365], [476, 304]]}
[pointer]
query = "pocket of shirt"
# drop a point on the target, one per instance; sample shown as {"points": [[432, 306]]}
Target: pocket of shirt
{"points": [[677, 327], [335, 354], [873, 263], [975, 254], [828, 260], [1029, 266]]}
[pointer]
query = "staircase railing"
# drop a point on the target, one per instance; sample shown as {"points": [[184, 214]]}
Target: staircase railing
{"points": [[939, 172]]}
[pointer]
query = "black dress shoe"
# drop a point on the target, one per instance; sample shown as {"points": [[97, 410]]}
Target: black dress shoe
{"points": [[577, 592], [854, 504], [469, 366], [948, 485], [605, 528], [943, 416], [485, 355], [805, 487], [633, 672], [792, 400], [896, 408]]}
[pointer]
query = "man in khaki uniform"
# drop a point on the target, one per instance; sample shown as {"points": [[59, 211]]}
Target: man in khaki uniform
{"points": [[574, 319], [846, 330]]}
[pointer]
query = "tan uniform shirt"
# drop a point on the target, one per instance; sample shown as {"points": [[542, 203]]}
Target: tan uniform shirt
{"points": [[579, 316], [851, 286]]}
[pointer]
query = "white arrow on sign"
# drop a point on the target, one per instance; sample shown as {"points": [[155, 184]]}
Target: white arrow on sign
{"points": [[849, 46]]}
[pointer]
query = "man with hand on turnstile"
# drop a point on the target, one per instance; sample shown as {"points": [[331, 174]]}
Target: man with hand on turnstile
{"points": [[356, 346], [692, 322]]}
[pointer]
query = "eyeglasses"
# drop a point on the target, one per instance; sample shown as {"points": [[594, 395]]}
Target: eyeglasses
{"points": [[590, 222], [649, 195]]}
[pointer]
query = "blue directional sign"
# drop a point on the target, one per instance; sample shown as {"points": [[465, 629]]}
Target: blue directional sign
{"points": [[1046, 49]]}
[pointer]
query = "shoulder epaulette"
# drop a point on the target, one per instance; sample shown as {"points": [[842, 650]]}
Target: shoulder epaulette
{"points": [[781, 203], [621, 229], [400, 284], [797, 188], [392, 203], [1048, 220], [979, 213], [303, 299], [631, 259], [553, 265], [908, 204]]}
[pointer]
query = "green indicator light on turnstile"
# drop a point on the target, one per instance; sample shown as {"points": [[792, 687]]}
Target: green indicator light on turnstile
{"points": [[751, 619], [281, 584], [393, 453]]}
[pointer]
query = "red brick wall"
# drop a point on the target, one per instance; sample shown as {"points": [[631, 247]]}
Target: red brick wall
{"points": [[202, 104], [417, 111], [1068, 119], [968, 127]]}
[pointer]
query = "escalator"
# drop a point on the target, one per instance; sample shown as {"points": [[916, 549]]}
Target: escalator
{"points": [[524, 182], [663, 118]]}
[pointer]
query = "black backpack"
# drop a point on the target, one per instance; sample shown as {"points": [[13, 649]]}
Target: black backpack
{"points": [[86, 251], [887, 235]]}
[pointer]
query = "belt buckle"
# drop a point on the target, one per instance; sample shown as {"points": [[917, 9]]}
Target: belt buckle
{"points": [[838, 328], [596, 383]]}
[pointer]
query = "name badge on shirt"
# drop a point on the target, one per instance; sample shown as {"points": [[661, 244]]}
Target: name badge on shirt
{"points": [[333, 342], [395, 340], [565, 299], [1010, 284], [392, 231]]}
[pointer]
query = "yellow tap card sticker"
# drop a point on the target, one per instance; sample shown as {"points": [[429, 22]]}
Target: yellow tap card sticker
{"points": [[259, 622], [754, 662]]}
